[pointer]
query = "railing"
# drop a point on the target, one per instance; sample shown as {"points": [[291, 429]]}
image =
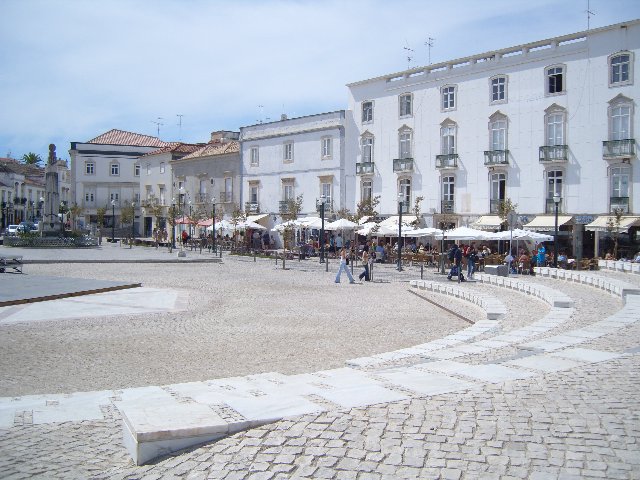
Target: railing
{"points": [[284, 206], [225, 197], [328, 206], [553, 153], [620, 203], [550, 206], [494, 206], [202, 198], [619, 148], [402, 165], [250, 207], [405, 208], [496, 157], [365, 168], [447, 206], [447, 161]]}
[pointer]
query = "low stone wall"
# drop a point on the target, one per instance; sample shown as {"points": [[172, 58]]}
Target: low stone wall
{"points": [[50, 242]]}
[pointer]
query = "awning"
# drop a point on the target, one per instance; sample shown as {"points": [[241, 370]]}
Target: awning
{"points": [[487, 222], [546, 223], [601, 224], [393, 220], [256, 218]]}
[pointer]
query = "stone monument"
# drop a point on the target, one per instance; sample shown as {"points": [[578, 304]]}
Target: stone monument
{"points": [[51, 223]]}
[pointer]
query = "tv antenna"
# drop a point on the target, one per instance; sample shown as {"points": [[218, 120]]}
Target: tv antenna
{"points": [[261, 107], [589, 13], [429, 44], [409, 55], [179, 115], [158, 123]]}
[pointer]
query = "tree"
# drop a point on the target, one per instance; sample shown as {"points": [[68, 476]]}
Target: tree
{"points": [[505, 208], [417, 212], [31, 159], [294, 207], [367, 208], [237, 216], [613, 227], [75, 210], [153, 208], [127, 213], [101, 212]]}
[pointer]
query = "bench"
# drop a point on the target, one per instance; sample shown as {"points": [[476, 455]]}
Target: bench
{"points": [[14, 262]]}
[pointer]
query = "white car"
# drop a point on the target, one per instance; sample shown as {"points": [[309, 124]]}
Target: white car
{"points": [[12, 230]]}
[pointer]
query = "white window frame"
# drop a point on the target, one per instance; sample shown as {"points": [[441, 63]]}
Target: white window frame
{"points": [[162, 193], [162, 167], [114, 169], [448, 188], [620, 182], [551, 72], [551, 128], [287, 152], [326, 189], [405, 191], [366, 189], [136, 170], [448, 138], [555, 181], [254, 157], [448, 96], [495, 180], [497, 89], [288, 190], [367, 143], [614, 66], [89, 168], [326, 148], [405, 143], [498, 132], [405, 105], [254, 193], [367, 111], [615, 113], [114, 196], [148, 169], [89, 197]]}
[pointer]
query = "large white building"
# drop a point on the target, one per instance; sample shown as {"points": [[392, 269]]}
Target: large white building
{"points": [[294, 157], [523, 123]]}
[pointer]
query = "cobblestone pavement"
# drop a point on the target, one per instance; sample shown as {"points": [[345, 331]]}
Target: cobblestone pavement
{"points": [[579, 423]]}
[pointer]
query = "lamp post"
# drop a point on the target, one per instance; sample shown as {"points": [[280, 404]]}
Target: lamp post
{"points": [[323, 200], [400, 204], [173, 227], [190, 213], [113, 221], [133, 223], [213, 225], [556, 202]]}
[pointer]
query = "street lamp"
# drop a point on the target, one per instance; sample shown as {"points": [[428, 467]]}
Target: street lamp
{"points": [[400, 204], [190, 213], [173, 227], [133, 223], [213, 225], [556, 202], [323, 200], [113, 221]]}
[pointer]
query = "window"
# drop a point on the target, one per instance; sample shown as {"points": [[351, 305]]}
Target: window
{"points": [[406, 109], [115, 169], [148, 192], [554, 128], [498, 134], [89, 197], [136, 198], [367, 112], [555, 80], [448, 139], [287, 155], [228, 187], [136, 170], [254, 157], [404, 141], [148, 169], [554, 183], [404, 191], [498, 191], [448, 97], [499, 89], [326, 190], [326, 147], [620, 120], [163, 192], [620, 69], [90, 168], [366, 190], [114, 197], [448, 189], [620, 181], [287, 191], [367, 149], [253, 193], [161, 167]]}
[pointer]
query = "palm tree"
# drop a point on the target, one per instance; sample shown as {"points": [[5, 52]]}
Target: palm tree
{"points": [[31, 159]]}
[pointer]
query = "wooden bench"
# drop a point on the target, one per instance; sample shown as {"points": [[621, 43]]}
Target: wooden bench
{"points": [[14, 262]]}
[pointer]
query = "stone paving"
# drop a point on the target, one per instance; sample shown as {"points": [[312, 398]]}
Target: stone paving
{"points": [[581, 421]]}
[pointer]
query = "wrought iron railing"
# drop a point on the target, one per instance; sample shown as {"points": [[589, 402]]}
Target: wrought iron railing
{"points": [[252, 207], [365, 168], [619, 203], [225, 197], [550, 206], [494, 206], [447, 206], [553, 153], [496, 157], [619, 148], [447, 161], [401, 165]]}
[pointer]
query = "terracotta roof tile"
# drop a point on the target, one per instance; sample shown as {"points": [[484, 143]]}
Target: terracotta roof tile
{"points": [[214, 148], [176, 147], [120, 137]]}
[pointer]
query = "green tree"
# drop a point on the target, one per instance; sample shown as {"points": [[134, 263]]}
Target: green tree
{"points": [[75, 210], [31, 159], [101, 212], [153, 208], [294, 207], [613, 227], [416, 211], [505, 208], [367, 208], [237, 217]]}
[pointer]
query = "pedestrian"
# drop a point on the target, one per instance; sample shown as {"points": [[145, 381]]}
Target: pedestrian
{"points": [[343, 266], [365, 264], [455, 255], [472, 259]]}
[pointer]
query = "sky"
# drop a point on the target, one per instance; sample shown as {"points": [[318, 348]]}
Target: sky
{"points": [[71, 70]]}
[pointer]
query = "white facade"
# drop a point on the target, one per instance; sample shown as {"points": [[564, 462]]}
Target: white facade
{"points": [[300, 156], [520, 123]]}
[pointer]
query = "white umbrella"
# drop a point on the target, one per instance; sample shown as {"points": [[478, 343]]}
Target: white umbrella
{"points": [[312, 222], [385, 231], [519, 234], [284, 225], [464, 233], [341, 224], [422, 232], [365, 228], [221, 225], [250, 224]]}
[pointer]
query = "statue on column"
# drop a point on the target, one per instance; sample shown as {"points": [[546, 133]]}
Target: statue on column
{"points": [[51, 224]]}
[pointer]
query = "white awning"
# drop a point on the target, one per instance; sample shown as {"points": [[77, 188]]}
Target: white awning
{"points": [[256, 218], [546, 223], [393, 220], [487, 222], [601, 224]]}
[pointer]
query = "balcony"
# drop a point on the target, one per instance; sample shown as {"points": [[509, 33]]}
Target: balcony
{"points": [[252, 207], [402, 165], [494, 206], [202, 198], [619, 203], [225, 197], [447, 206], [549, 206], [616, 149], [554, 153], [447, 161], [366, 168], [328, 206], [406, 208], [284, 206], [496, 157]]}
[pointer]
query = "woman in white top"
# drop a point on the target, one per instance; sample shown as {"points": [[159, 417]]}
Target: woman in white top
{"points": [[343, 266]]}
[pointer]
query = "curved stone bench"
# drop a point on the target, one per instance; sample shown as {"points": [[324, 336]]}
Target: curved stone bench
{"points": [[612, 286], [619, 266], [549, 295]]}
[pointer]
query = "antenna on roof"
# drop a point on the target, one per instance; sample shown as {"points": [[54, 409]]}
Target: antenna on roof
{"points": [[179, 115], [158, 124], [589, 13], [429, 44], [409, 53], [261, 107]]}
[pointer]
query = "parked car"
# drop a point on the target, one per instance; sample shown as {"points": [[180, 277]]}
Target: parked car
{"points": [[25, 227], [11, 230]]}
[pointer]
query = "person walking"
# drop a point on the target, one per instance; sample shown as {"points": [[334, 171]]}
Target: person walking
{"points": [[365, 264], [344, 266], [472, 259], [456, 267]]}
